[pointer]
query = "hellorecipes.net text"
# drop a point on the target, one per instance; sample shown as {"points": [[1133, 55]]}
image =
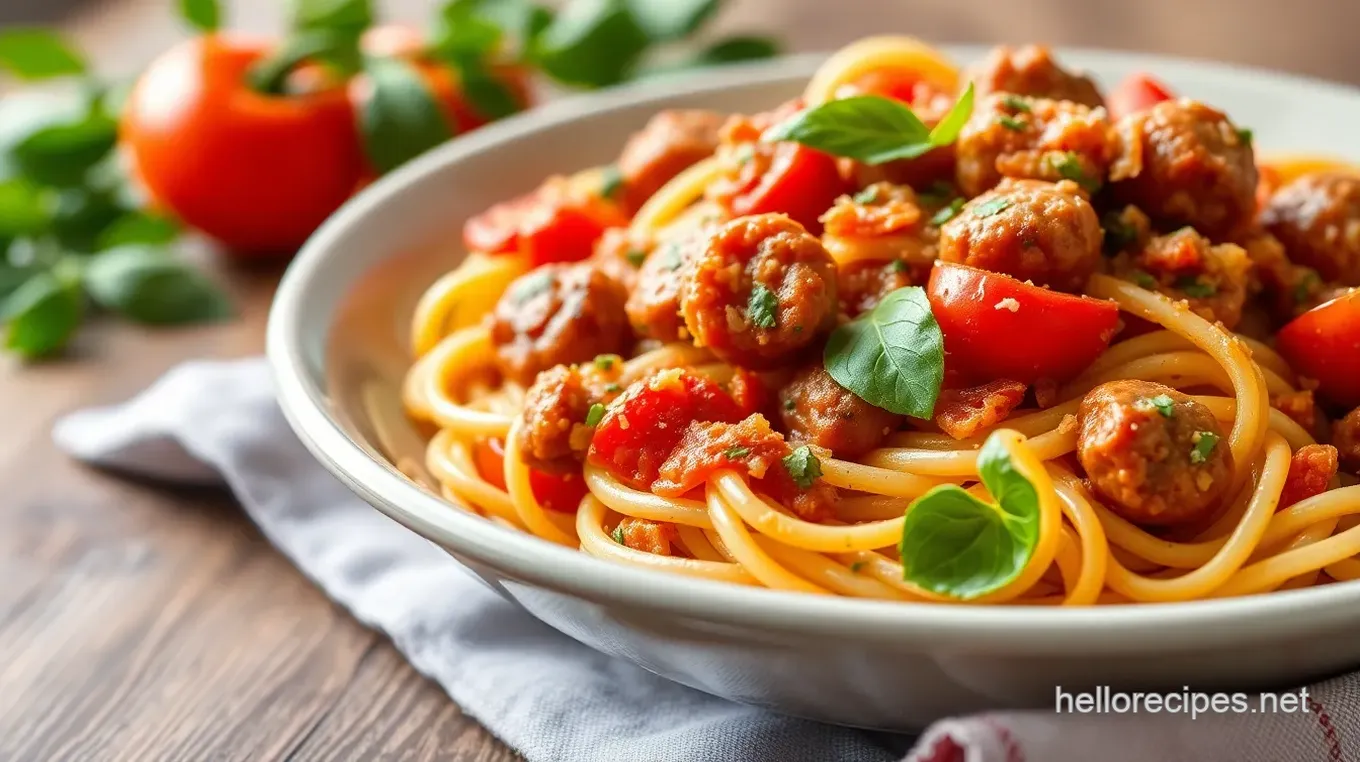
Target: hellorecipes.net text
{"points": [[1103, 700]]}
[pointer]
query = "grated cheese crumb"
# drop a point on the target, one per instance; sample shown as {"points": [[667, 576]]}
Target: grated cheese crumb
{"points": [[1009, 303]]}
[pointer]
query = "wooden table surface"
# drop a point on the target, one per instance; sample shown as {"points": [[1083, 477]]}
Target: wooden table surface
{"points": [[139, 623]]}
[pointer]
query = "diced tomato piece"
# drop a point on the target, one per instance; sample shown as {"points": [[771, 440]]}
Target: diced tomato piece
{"points": [[552, 224], [1310, 473], [785, 178], [555, 492], [996, 327], [1324, 344], [647, 421], [1137, 92], [899, 84], [749, 392]]}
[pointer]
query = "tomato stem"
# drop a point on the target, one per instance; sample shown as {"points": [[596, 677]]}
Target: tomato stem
{"points": [[340, 52]]}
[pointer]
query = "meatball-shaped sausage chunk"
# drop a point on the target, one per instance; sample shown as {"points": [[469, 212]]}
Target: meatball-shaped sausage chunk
{"points": [[666, 146], [554, 315], [761, 290], [1317, 218], [1038, 139], [1031, 70], [1184, 163], [817, 410], [654, 303], [1030, 230], [1156, 455], [555, 407]]}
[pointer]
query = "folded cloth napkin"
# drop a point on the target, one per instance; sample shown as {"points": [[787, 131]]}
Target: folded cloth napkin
{"points": [[552, 698]]}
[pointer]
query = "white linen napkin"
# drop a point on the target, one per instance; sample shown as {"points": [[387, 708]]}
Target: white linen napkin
{"points": [[551, 698]]}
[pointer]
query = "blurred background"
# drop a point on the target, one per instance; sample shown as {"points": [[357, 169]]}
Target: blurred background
{"points": [[1314, 37]]}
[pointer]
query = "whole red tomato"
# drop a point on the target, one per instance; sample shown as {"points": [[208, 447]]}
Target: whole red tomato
{"points": [[257, 172], [1324, 344]]}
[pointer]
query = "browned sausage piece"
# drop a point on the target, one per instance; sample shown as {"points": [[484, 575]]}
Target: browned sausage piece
{"points": [[1185, 163], [817, 410], [862, 284], [668, 145], [1031, 70], [620, 253], [1033, 138], [557, 314], [1157, 456], [1317, 218], [555, 409], [1032, 230], [762, 289], [1184, 265], [1346, 437], [654, 302]]}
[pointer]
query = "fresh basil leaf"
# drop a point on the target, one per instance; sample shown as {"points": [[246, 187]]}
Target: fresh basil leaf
{"points": [[991, 207], [400, 119], [336, 48], [867, 128], [957, 545], [948, 128], [25, 208], [489, 97], [351, 16], [672, 19], [591, 43], [62, 154], [32, 54], [463, 31], [138, 227], [735, 50], [41, 315], [520, 20], [81, 216], [203, 15], [893, 356], [149, 286], [762, 308]]}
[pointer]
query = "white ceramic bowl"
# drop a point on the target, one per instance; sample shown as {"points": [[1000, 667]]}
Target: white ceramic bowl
{"points": [[338, 338]]}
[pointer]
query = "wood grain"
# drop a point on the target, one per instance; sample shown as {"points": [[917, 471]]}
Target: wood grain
{"points": [[138, 623]]}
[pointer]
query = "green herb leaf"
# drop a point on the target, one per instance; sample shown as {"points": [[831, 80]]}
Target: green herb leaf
{"points": [[1164, 405], [1195, 288], [991, 207], [617, 535], [203, 15], [337, 48], [606, 362], [145, 228], [898, 266], [595, 414], [867, 128], [491, 98], [81, 216], [42, 315], [789, 404], [1069, 168], [948, 129], [735, 50], [520, 20], [856, 566], [1143, 279], [33, 54], [464, 32], [893, 356], [1244, 135], [736, 451], [948, 213], [1303, 289], [1015, 103], [612, 388], [25, 208], [400, 119], [1010, 123], [1118, 234], [937, 192], [530, 285], [611, 181], [63, 154], [956, 545], [1205, 441], [591, 43], [672, 20], [673, 259], [762, 309], [868, 196], [149, 286], [348, 16], [636, 257], [803, 466]]}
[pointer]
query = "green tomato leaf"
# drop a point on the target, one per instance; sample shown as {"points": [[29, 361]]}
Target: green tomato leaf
{"points": [[25, 209], [591, 43], [957, 545], [948, 129], [41, 315], [867, 128], [149, 286], [203, 15], [672, 19], [81, 216], [893, 356], [63, 154], [736, 50], [400, 119], [33, 54], [138, 227]]}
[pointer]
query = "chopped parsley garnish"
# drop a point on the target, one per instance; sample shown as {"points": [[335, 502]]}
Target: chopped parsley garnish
{"points": [[744, 154], [856, 566], [1015, 103], [1069, 168], [991, 207], [636, 257], [606, 362], [611, 181], [617, 535], [937, 192], [1118, 234], [947, 213], [867, 196], [594, 415], [1195, 288], [673, 259], [898, 266], [790, 404], [531, 285], [1011, 123], [1244, 135], [613, 388], [739, 451], [803, 466], [762, 307], [1143, 279], [1164, 404], [1205, 441], [1303, 290]]}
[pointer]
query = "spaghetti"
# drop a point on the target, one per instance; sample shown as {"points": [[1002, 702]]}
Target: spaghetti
{"points": [[730, 500]]}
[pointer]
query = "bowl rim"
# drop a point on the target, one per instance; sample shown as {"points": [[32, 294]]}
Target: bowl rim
{"points": [[523, 557]]}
